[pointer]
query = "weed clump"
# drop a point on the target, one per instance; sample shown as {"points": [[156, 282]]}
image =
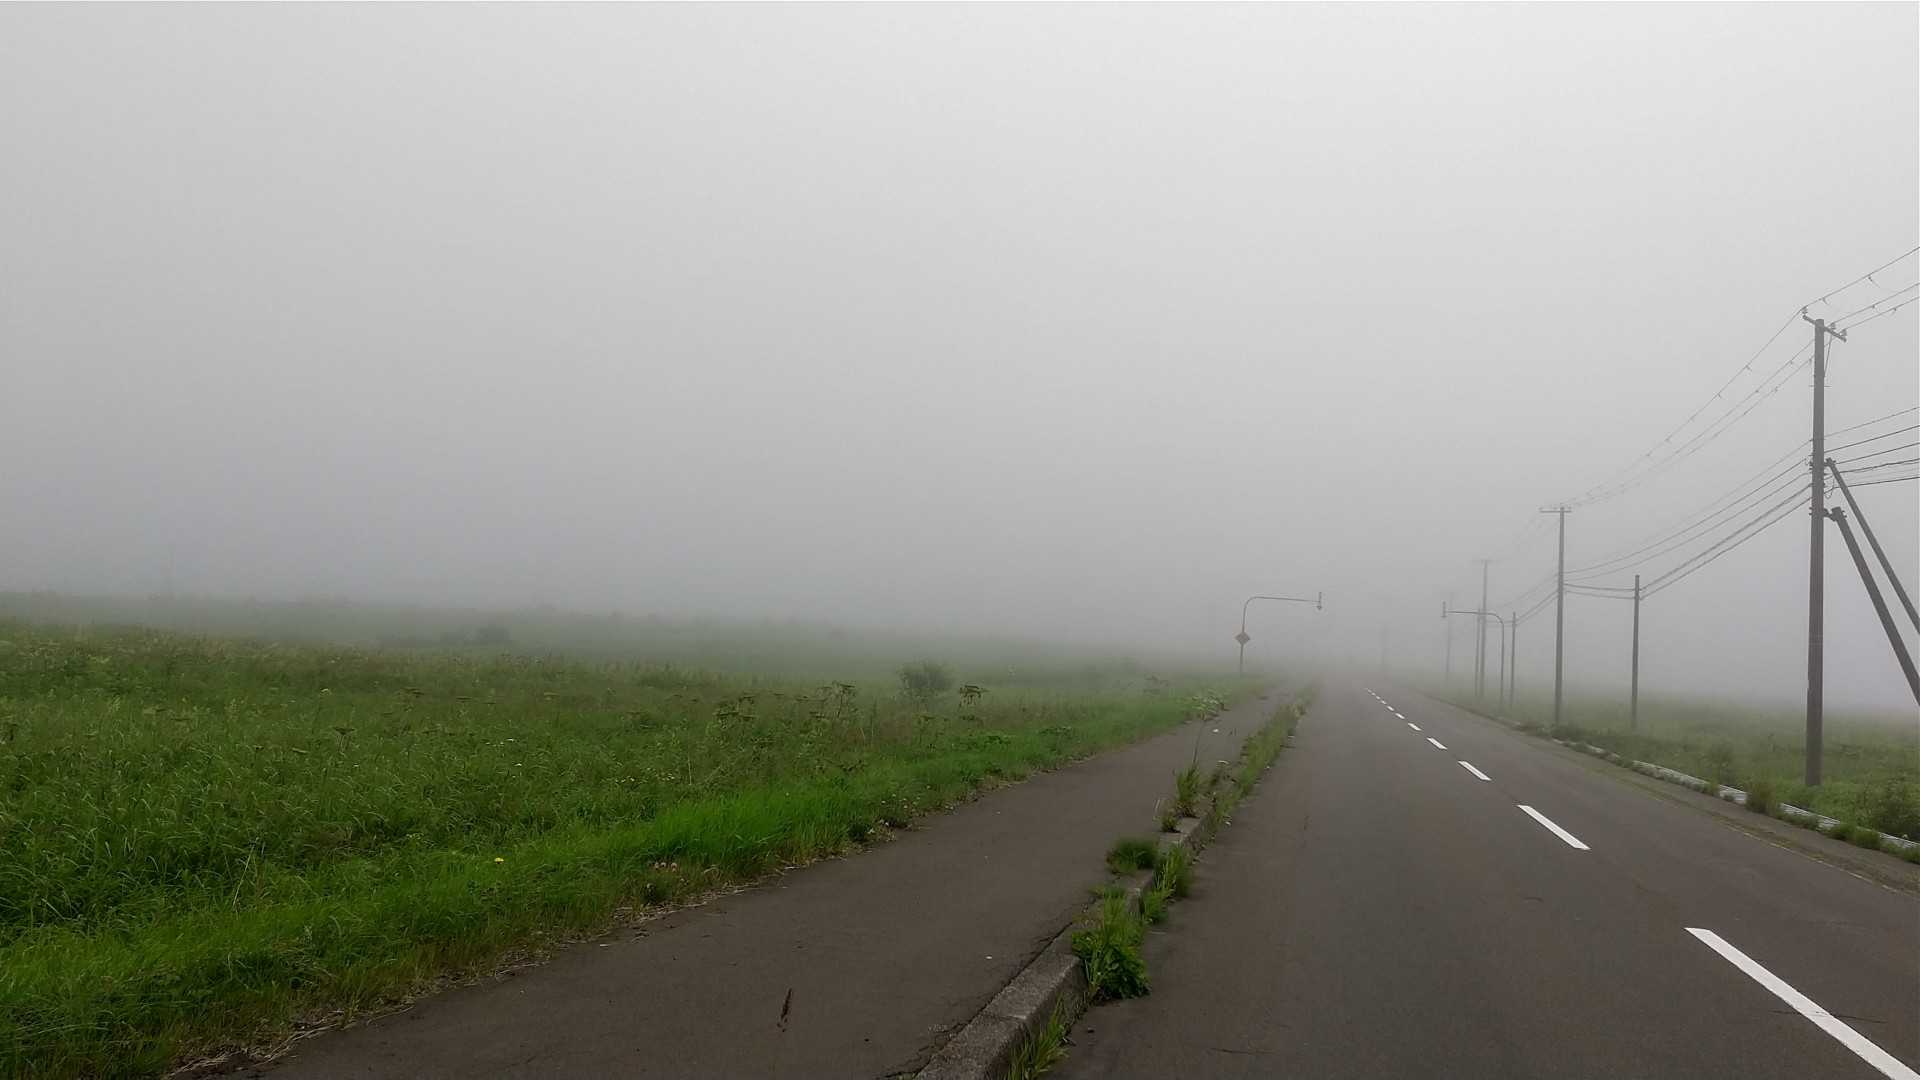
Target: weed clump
{"points": [[1174, 871], [1130, 853], [1169, 816], [1043, 1049], [1109, 950], [1760, 797], [1186, 790], [1154, 903]]}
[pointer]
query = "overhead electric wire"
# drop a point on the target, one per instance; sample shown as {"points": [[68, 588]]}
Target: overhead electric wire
{"points": [[1624, 478], [1748, 531], [1876, 453], [1882, 465], [1884, 480], [1838, 319], [1747, 491], [1633, 475], [1770, 385], [1863, 277], [1535, 609], [1863, 442], [1778, 482], [1878, 314], [1870, 423]]}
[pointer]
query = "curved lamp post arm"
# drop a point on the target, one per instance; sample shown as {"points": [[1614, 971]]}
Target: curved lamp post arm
{"points": [[1318, 600]]}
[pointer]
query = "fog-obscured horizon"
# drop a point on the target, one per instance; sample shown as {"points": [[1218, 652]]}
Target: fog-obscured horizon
{"points": [[1078, 324]]}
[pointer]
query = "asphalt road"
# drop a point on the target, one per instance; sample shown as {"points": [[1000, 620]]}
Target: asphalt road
{"points": [[1379, 910]]}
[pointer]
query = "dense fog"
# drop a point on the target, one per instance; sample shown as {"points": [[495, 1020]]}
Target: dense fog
{"points": [[1072, 323]]}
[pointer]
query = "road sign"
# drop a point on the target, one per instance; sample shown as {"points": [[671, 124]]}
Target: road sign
{"points": [[1242, 637]]}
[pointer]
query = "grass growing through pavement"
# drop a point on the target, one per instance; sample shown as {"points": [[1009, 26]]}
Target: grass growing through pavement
{"points": [[1044, 1048], [202, 842], [1173, 872], [1872, 763], [1109, 949], [1131, 853], [1186, 790]]}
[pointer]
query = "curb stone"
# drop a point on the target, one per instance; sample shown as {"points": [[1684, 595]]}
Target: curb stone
{"points": [[1821, 823], [1052, 981]]}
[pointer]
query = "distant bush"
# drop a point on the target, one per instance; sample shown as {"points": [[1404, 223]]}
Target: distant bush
{"points": [[923, 679]]}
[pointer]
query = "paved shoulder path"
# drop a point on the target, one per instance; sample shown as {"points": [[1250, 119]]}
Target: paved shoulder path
{"points": [[856, 967], [1416, 891]]}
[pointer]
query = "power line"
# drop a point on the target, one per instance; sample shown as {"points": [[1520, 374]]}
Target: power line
{"points": [[1772, 384], [1863, 277], [1879, 314], [1777, 512], [1838, 319], [1589, 495], [1773, 486], [1625, 479], [1872, 438], [1882, 465], [1870, 423], [1886, 480], [1877, 453]]}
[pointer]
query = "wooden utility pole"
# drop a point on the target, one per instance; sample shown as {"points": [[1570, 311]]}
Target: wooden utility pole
{"points": [[1816, 559], [1633, 708], [1559, 611]]}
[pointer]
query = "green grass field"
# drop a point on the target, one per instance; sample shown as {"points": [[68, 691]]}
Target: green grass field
{"points": [[204, 842], [1872, 761]]}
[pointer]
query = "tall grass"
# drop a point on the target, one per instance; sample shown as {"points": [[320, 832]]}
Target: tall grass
{"points": [[203, 841], [1871, 763]]}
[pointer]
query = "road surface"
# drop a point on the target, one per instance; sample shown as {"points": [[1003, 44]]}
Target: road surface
{"points": [[1417, 891]]}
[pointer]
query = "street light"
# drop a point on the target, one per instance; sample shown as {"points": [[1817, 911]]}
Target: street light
{"points": [[1505, 698], [1318, 602]]}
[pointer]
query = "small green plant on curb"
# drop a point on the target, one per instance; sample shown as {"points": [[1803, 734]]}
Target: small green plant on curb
{"points": [[1186, 790], [1130, 853], [1109, 950], [1218, 774], [1154, 902], [1169, 816], [1043, 1049], [1760, 797], [1174, 872]]}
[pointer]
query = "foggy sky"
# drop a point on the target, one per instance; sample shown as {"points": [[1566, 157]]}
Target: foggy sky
{"points": [[1078, 322]]}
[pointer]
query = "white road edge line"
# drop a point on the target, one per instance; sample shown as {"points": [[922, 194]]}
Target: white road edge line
{"points": [[1824, 1020], [1437, 744], [1468, 765], [1413, 725], [1399, 714], [1572, 840]]}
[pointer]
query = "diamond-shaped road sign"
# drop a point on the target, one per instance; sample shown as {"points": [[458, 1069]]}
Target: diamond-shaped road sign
{"points": [[1242, 637]]}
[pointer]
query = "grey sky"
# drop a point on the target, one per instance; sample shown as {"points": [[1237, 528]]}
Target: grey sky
{"points": [[1074, 321]]}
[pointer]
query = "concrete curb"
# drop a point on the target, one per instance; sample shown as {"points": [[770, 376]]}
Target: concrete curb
{"points": [[1021, 1010], [1053, 982], [1892, 845]]}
